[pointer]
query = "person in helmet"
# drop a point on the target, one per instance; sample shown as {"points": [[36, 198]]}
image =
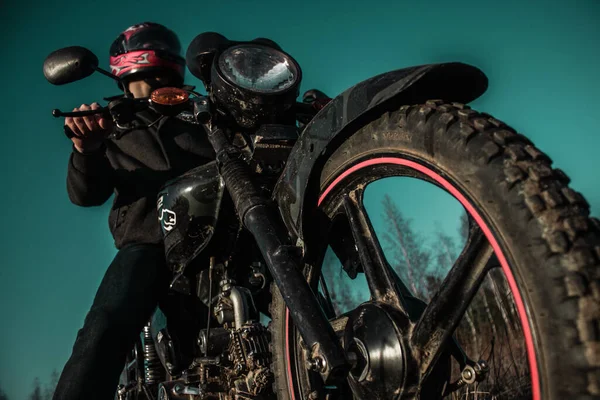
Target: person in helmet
{"points": [[144, 51], [133, 168]]}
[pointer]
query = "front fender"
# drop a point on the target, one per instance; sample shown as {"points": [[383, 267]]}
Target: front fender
{"points": [[298, 186]]}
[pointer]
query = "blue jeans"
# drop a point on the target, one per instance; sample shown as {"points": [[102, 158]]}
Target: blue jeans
{"points": [[135, 283]]}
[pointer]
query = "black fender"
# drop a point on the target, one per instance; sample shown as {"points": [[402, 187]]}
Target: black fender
{"points": [[297, 189]]}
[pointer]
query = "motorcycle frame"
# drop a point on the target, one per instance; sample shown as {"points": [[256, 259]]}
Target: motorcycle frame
{"points": [[284, 226]]}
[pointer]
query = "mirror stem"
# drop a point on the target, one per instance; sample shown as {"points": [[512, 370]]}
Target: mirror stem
{"points": [[106, 73]]}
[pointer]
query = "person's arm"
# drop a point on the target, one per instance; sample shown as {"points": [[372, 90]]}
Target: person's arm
{"points": [[90, 177]]}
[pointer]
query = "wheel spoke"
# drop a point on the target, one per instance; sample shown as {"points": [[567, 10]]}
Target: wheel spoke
{"points": [[448, 305], [380, 277]]}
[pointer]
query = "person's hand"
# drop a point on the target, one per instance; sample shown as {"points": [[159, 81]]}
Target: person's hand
{"points": [[89, 131]]}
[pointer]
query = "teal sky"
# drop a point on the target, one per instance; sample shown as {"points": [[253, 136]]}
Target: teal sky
{"points": [[542, 59]]}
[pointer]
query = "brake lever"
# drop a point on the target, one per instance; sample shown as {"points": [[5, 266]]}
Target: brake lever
{"points": [[68, 132], [56, 113], [135, 104], [118, 108], [117, 134]]}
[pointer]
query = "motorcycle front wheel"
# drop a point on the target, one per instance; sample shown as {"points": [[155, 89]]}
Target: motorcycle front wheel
{"points": [[526, 224]]}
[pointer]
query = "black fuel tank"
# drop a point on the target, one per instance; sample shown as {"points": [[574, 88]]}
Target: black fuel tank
{"points": [[188, 210]]}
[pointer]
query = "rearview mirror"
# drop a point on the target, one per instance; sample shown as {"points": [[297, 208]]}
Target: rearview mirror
{"points": [[69, 64], [201, 52]]}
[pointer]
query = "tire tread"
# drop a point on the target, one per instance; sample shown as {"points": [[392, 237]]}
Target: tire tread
{"points": [[562, 214]]}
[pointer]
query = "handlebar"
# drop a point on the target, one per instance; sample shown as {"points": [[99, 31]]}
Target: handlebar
{"points": [[57, 113], [123, 109]]}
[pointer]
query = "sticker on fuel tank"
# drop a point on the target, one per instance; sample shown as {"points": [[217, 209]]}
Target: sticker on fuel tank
{"points": [[167, 218]]}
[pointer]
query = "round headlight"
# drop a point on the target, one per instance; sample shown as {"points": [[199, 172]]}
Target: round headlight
{"points": [[258, 68]]}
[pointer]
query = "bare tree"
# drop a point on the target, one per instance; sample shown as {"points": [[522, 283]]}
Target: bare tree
{"points": [[408, 256], [51, 386], [488, 313], [505, 298], [445, 254], [3, 395], [463, 229], [36, 394]]}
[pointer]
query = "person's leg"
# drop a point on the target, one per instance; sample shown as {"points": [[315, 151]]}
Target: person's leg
{"points": [[185, 315], [125, 301]]}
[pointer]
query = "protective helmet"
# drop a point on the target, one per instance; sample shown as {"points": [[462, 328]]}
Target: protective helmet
{"points": [[143, 50]]}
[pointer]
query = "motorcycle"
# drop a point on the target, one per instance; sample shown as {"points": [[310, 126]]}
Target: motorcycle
{"points": [[294, 173]]}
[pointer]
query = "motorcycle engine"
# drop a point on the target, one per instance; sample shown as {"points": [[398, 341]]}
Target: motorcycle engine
{"points": [[251, 358], [236, 366]]}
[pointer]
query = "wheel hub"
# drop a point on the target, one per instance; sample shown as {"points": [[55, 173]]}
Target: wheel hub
{"points": [[374, 343]]}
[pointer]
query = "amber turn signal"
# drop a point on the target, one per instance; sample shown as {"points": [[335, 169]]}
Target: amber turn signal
{"points": [[169, 96]]}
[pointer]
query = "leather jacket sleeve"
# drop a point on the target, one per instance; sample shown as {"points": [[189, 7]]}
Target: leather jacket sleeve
{"points": [[90, 178]]}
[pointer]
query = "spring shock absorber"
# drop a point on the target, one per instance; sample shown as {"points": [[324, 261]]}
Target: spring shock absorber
{"points": [[153, 369]]}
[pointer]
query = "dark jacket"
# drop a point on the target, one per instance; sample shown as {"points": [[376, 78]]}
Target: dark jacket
{"points": [[134, 168]]}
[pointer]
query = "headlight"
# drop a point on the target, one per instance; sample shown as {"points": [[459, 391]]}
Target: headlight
{"points": [[258, 69]]}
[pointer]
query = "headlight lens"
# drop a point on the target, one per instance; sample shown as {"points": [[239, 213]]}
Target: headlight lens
{"points": [[259, 69]]}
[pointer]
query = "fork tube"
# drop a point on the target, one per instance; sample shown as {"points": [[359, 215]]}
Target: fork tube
{"points": [[259, 215]]}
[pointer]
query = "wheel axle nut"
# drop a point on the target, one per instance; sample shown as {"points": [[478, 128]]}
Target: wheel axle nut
{"points": [[316, 364], [468, 374]]}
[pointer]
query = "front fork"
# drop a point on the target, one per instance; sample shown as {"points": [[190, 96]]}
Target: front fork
{"points": [[282, 257], [284, 261]]}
